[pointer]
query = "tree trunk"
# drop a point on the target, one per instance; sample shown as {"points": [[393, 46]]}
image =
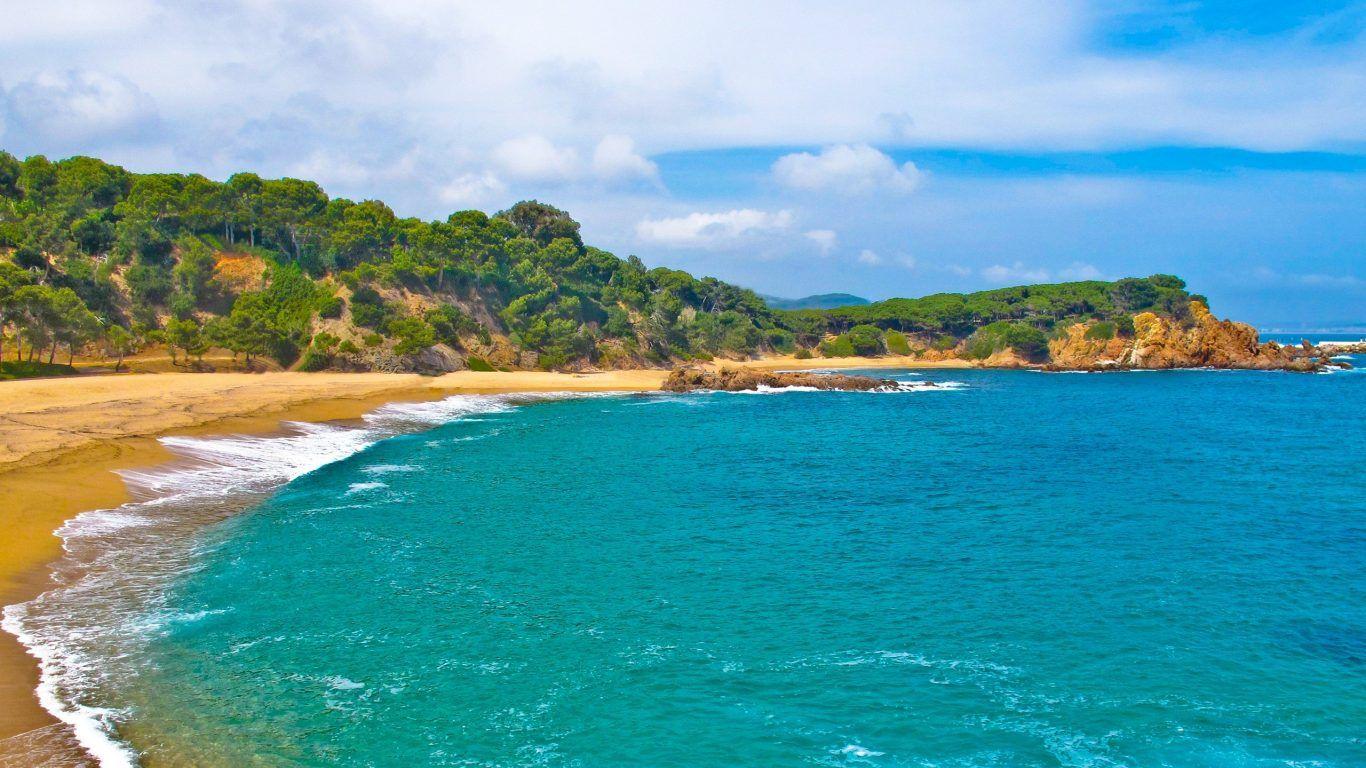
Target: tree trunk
{"points": [[52, 353], [118, 363]]}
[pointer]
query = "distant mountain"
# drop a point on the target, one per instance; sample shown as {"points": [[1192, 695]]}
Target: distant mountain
{"points": [[819, 301]]}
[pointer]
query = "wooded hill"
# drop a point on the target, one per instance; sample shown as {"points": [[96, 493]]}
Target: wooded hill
{"points": [[95, 257]]}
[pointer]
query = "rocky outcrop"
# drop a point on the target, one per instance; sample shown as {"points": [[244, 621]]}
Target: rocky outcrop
{"points": [[689, 379], [1162, 342]]}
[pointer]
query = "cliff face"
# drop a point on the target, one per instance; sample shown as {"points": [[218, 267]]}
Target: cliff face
{"points": [[1160, 342]]}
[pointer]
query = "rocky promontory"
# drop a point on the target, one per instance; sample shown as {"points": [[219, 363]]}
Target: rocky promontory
{"points": [[692, 378], [1157, 342]]}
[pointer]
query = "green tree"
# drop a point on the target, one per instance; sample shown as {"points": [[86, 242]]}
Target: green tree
{"points": [[120, 342], [542, 223]]}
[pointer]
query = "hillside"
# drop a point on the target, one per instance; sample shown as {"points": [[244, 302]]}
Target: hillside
{"points": [[818, 301], [252, 272]]}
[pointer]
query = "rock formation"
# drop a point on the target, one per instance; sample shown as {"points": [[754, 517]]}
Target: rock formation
{"points": [[1161, 342], [692, 378]]}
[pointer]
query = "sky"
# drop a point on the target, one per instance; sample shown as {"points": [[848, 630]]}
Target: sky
{"points": [[877, 148]]}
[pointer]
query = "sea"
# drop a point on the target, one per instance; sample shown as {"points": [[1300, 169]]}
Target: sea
{"points": [[1010, 569]]}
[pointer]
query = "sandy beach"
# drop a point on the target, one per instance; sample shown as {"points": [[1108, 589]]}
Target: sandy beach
{"points": [[61, 440]]}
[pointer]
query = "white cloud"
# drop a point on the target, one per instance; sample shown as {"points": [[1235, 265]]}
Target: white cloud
{"points": [[1079, 270], [534, 158], [615, 159], [868, 257], [80, 106], [712, 229], [907, 260], [1016, 272], [846, 169], [470, 190], [825, 239]]}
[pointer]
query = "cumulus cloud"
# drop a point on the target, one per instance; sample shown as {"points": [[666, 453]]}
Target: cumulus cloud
{"points": [[1079, 270], [471, 190], [869, 257], [1016, 272], [846, 169], [825, 239], [712, 229], [77, 106], [534, 158], [615, 159]]}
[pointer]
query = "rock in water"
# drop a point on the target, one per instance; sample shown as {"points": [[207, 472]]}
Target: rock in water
{"points": [[688, 379]]}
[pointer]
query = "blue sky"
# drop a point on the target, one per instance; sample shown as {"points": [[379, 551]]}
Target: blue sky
{"points": [[795, 147]]}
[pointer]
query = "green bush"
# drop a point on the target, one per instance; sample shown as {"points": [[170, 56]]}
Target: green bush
{"points": [[897, 343], [1027, 341], [26, 369], [413, 333], [840, 346], [780, 340], [866, 340], [315, 360], [348, 347], [803, 354], [1103, 331], [478, 363], [331, 306]]}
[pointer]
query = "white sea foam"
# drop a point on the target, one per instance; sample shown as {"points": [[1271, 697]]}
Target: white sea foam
{"points": [[385, 469], [110, 599], [359, 487], [901, 387], [854, 750]]}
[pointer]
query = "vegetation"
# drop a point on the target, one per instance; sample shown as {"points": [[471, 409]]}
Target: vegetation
{"points": [[86, 246], [24, 369], [93, 257], [1021, 318]]}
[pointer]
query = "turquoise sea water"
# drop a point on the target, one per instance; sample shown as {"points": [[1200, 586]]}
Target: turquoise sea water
{"points": [[1143, 569]]}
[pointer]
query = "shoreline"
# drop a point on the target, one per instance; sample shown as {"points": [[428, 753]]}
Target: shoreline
{"points": [[62, 442]]}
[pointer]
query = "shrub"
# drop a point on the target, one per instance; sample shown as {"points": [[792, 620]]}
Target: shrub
{"points": [[373, 339], [149, 284], [945, 343], [780, 340], [413, 333], [866, 340], [478, 363], [840, 346], [315, 360], [348, 347], [23, 369], [368, 309], [1101, 331], [330, 306], [1027, 341], [803, 354], [1125, 326], [897, 343]]}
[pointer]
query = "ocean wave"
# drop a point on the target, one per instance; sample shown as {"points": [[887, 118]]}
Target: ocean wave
{"points": [[901, 387], [111, 595], [385, 469]]}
